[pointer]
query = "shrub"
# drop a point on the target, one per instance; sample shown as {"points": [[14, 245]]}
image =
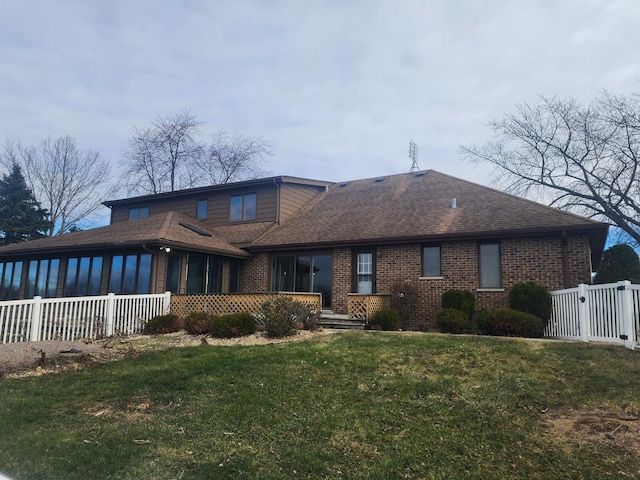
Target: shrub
{"points": [[163, 324], [282, 313], [385, 319], [450, 320], [531, 298], [404, 300], [233, 325], [508, 322], [197, 323], [461, 300]]}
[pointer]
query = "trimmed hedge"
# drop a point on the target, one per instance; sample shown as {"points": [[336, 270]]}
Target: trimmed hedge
{"points": [[531, 298], [197, 323], [385, 319], [450, 320], [161, 324], [512, 323], [462, 300], [233, 325]]}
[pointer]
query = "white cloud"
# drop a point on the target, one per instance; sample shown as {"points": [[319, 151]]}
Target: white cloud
{"points": [[338, 88]]}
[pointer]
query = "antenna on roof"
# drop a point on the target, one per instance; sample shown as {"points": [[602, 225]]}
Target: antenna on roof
{"points": [[413, 155]]}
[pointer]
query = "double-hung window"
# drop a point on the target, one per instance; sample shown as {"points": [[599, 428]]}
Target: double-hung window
{"points": [[489, 265], [431, 265], [201, 211]]}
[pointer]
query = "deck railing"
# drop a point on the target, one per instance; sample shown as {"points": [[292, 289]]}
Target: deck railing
{"points": [[364, 307], [79, 317], [224, 303]]}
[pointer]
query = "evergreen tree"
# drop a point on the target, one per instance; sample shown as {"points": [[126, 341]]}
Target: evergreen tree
{"points": [[619, 262], [21, 217]]}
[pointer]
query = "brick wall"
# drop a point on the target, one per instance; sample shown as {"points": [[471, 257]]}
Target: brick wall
{"points": [[537, 259]]}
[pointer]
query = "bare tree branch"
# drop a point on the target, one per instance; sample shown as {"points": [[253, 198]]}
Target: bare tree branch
{"points": [[579, 158], [68, 182]]}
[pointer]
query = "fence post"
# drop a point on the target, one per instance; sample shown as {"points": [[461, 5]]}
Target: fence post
{"points": [[36, 313], [167, 303], [108, 321], [626, 322], [584, 320]]}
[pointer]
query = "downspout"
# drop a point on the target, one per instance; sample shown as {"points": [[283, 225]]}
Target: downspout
{"points": [[565, 260]]}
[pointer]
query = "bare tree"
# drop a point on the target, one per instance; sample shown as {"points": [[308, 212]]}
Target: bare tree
{"points": [[228, 159], [579, 158], [170, 155], [67, 181]]}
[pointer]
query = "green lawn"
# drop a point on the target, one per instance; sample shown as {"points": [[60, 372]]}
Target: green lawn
{"points": [[354, 405]]}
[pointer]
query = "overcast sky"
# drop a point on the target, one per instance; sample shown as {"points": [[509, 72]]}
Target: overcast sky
{"points": [[337, 87]]}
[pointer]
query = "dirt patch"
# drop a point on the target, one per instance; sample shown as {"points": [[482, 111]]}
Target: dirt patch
{"points": [[40, 358], [601, 426]]}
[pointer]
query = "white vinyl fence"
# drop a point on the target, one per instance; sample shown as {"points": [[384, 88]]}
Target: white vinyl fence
{"points": [[80, 317], [604, 313]]}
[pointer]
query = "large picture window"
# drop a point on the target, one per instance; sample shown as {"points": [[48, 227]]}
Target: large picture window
{"points": [[130, 274], [204, 273], [489, 265], [42, 278], [303, 273], [242, 207], [83, 276], [10, 275]]}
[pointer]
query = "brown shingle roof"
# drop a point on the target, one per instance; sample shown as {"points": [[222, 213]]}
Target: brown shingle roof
{"points": [[170, 229], [417, 206]]}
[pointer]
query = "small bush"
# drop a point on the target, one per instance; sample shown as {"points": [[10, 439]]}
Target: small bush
{"points": [[197, 323], [385, 319], [450, 320], [163, 324], [512, 323], [233, 325], [281, 315], [461, 300], [531, 298], [404, 300]]}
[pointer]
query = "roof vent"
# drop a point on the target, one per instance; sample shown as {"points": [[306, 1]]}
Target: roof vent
{"points": [[453, 203], [195, 229], [344, 184], [378, 180], [421, 174]]}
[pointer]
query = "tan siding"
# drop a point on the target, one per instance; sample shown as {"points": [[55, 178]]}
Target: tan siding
{"points": [[218, 205], [295, 196]]}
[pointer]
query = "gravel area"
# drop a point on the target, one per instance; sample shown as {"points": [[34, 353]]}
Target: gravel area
{"points": [[39, 358]]}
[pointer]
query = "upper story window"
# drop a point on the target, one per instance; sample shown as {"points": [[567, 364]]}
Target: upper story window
{"points": [[431, 265], [489, 265], [138, 212], [201, 210], [242, 207]]}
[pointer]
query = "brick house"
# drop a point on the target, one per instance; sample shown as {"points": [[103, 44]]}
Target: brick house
{"points": [[340, 239]]}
